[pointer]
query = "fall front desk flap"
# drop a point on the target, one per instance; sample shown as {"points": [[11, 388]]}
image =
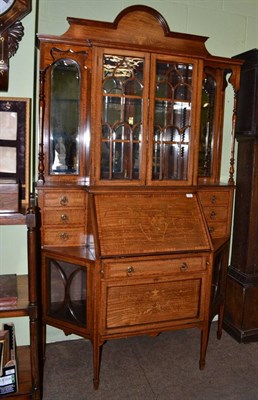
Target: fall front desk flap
{"points": [[144, 223]]}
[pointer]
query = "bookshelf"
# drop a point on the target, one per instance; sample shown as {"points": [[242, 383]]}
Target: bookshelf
{"points": [[29, 386]]}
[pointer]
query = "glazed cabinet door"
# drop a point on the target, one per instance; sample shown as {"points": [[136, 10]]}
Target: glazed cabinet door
{"points": [[173, 121], [64, 113], [145, 104], [121, 89], [216, 79]]}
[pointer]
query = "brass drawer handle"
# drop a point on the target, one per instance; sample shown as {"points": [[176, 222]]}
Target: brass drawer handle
{"points": [[130, 271], [184, 267], [213, 199], [64, 201], [211, 229], [64, 236], [64, 218], [213, 215]]}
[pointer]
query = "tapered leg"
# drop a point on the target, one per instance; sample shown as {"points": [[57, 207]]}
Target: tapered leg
{"points": [[220, 320], [204, 343], [97, 350]]}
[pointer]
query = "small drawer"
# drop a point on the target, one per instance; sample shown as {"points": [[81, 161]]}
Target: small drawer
{"points": [[153, 267], [214, 198], [218, 229], [72, 198], [64, 217], [215, 213], [64, 237]]}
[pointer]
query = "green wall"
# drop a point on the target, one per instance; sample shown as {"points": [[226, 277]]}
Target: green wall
{"points": [[230, 25]]}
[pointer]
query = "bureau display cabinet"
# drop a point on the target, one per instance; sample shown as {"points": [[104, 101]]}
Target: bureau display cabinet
{"points": [[135, 221]]}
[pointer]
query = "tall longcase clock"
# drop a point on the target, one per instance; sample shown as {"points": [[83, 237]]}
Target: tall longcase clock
{"points": [[11, 33]]}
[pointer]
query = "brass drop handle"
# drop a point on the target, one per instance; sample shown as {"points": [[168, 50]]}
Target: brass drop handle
{"points": [[213, 199], [184, 267], [64, 218], [213, 215], [64, 236], [130, 271], [211, 229], [64, 201]]}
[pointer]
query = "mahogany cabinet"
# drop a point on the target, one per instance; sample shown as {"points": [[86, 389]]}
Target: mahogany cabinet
{"points": [[28, 357], [135, 220], [241, 316]]}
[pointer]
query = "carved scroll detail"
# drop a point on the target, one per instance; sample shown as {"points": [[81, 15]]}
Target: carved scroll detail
{"points": [[15, 34], [55, 52]]}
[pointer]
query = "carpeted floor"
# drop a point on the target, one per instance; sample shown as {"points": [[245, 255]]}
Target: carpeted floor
{"points": [[154, 368]]}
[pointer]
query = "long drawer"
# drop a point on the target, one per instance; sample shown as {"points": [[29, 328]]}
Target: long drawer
{"points": [[158, 267]]}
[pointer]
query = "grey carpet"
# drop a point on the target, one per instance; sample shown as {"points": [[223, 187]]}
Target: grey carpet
{"points": [[165, 367]]}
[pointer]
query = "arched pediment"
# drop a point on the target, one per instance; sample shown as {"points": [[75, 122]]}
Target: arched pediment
{"points": [[140, 27]]}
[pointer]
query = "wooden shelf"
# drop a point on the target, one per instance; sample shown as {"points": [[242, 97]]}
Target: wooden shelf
{"points": [[13, 218]]}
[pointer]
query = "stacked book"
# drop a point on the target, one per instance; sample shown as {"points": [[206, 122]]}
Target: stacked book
{"points": [[8, 291], [8, 367]]}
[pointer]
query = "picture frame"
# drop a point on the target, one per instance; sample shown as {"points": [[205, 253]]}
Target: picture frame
{"points": [[15, 113]]}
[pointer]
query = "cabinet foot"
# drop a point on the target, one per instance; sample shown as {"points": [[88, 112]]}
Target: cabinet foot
{"points": [[97, 350], [202, 364]]}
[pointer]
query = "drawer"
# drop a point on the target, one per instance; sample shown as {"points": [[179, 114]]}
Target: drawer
{"points": [[64, 237], [64, 217], [215, 213], [153, 267], [218, 229], [69, 198], [215, 198]]}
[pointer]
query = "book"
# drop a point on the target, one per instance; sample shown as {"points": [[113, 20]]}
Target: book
{"points": [[9, 326], [9, 376], [5, 348], [5, 339], [8, 291], [1, 358]]}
